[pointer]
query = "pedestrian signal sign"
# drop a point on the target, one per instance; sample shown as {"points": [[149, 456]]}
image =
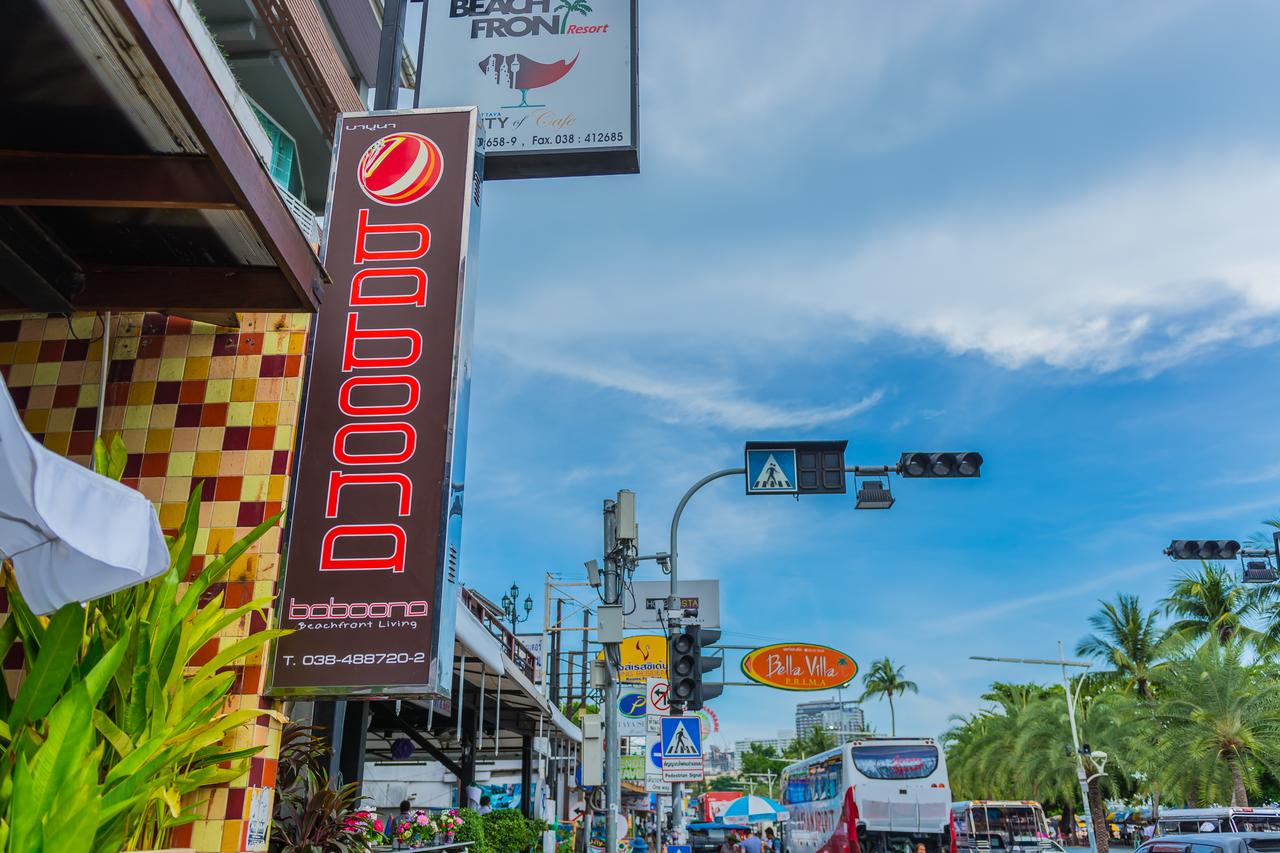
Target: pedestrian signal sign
{"points": [[771, 471], [681, 749]]}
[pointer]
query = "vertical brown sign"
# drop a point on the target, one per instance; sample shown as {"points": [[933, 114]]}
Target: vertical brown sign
{"points": [[372, 557]]}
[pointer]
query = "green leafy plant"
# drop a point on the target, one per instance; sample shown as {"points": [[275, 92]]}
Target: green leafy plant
{"points": [[114, 723], [473, 830], [509, 831]]}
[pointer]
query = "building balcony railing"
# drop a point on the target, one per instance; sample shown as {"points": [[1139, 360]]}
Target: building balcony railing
{"points": [[511, 645]]}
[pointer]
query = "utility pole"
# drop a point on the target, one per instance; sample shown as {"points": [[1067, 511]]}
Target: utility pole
{"points": [[619, 542]]}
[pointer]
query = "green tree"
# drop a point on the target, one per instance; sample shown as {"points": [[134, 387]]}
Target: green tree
{"points": [[1211, 603], [884, 679], [569, 7], [760, 758], [812, 742], [1128, 640], [1219, 722]]}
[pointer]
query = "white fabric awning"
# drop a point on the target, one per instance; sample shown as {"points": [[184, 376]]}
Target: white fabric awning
{"points": [[72, 534]]}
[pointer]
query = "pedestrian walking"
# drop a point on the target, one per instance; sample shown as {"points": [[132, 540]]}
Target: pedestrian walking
{"points": [[751, 843]]}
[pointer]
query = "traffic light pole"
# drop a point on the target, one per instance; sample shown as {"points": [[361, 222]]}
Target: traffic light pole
{"points": [[612, 654]]}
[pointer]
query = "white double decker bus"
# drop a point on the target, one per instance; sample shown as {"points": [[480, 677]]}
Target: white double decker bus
{"points": [[873, 795]]}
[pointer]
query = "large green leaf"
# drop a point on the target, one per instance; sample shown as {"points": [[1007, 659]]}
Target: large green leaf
{"points": [[67, 747], [216, 568], [52, 667]]}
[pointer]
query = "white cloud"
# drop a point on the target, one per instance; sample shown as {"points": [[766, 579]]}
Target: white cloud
{"points": [[1138, 274], [862, 75]]}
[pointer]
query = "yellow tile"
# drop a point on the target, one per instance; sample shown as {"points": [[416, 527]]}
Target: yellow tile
{"points": [[242, 390], [171, 369], [275, 343], [248, 366], [159, 440], [124, 349], [88, 395], [225, 515], [141, 393], [58, 442], [253, 488], [217, 391], [284, 438], [201, 344], [171, 514], [219, 539], [137, 417], [257, 462], [275, 488], [37, 420], [239, 414], [176, 489], [205, 464], [210, 439], [60, 420], [197, 367], [85, 326], [181, 463], [6, 352], [264, 414], [163, 416], [222, 367], [26, 352], [47, 374], [207, 835], [297, 342], [202, 537]]}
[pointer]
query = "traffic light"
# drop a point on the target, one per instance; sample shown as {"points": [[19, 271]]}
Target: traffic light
{"points": [[953, 464], [1203, 549], [687, 665]]}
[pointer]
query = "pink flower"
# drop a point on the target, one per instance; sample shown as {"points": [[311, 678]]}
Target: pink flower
{"points": [[421, 819], [377, 824]]}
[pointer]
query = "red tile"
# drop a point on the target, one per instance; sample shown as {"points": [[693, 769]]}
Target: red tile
{"points": [[9, 330], [268, 772], [224, 343], [280, 462], [271, 508], [20, 396], [167, 392], [133, 465], [251, 514], [182, 835], [227, 489], [261, 438], [238, 593], [150, 347], [153, 324], [81, 443], [214, 414], [293, 365], [250, 343], [76, 350], [272, 365], [255, 772], [65, 396], [121, 370], [205, 653], [236, 438], [15, 658], [51, 351], [193, 391], [188, 416], [235, 804], [177, 325], [85, 418], [155, 464], [117, 393]]}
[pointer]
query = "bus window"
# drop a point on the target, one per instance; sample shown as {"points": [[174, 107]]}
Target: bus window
{"points": [[884, 761], [1256, 822]]}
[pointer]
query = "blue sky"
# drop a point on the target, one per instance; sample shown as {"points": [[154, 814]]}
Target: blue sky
{"points": [[1046, 232]]}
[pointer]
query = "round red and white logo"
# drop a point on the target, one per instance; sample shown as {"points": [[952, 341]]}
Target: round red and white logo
{"points": [[400, 168]]}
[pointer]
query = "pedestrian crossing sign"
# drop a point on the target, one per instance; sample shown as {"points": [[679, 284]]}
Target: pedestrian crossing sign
{"points": [[772, 471], [681, 739]]}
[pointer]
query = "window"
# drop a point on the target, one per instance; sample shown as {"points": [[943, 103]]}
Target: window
{"points": [[895, 762], [816, 782], [1205, 848], [284, 167]]}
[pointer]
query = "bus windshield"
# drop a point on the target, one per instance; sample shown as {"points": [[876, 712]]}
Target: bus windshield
{"points": [[1017, 822], [1256, 822], [886, 761]]}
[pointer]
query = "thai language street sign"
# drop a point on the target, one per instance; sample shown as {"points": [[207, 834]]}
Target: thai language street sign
{"points": [[799, 666], [681, 739], [370, 582], [642, 657], [555, 82]]}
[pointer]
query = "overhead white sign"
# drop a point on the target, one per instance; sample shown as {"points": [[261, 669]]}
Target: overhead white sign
{"points": [[699, 600], [555, 81]]}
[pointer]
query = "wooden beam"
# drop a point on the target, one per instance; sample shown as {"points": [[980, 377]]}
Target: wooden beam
{"points": [[163, 39], [40, 179], [179, 290]]}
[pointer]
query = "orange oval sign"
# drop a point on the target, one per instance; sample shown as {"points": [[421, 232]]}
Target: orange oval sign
{"points": [[799, 666]]}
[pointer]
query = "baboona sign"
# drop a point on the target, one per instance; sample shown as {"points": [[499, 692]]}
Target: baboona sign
{"points": [[370, 581], [799, 666]]}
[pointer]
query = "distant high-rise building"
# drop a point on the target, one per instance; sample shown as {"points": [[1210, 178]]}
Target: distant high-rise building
{"points": [[779, 743], [839, 718]]}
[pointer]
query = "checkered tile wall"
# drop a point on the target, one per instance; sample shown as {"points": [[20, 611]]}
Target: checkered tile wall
{"points": [[195, 404]]}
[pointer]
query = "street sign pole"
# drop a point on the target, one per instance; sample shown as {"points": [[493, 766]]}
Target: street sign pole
{"points": [[612, 747]]}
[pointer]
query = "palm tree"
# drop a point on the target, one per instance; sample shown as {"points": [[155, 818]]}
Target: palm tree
{"points": [[1219, 722], [812, 742], [1210, 603], [1127, 639], [569, 7], [884, 679]]}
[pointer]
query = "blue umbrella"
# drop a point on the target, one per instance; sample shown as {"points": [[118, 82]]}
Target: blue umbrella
{"points": [[752, 809]]}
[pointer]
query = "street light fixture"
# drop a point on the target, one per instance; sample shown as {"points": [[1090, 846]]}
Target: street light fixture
{"points": [[511, 604], [1097, 759], [874, 494]]}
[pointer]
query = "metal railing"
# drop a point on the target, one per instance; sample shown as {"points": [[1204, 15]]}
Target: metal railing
{"points": [[511, 646]]}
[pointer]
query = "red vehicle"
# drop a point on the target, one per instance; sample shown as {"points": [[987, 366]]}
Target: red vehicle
{"points": [[715, 802]]}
